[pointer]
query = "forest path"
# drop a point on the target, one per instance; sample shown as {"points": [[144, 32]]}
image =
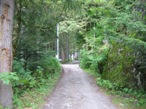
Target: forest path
{"points": [[77, 90]]}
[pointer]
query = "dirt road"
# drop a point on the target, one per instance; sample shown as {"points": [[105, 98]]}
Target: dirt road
{"points": [[77, 90]]}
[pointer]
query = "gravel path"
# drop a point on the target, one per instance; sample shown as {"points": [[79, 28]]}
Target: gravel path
{"points": [[77, 90]]}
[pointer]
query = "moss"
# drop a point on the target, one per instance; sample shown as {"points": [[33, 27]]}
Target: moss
{"points": [[119, 65]]}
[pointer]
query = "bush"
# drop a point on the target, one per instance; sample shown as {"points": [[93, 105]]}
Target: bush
{"points": [[34, 78], [85, 61], [50, 65], [26, 80], [95, 60], [135, 96]]}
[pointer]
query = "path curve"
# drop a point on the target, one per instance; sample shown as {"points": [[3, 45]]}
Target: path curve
{"points": [[77, 90]]}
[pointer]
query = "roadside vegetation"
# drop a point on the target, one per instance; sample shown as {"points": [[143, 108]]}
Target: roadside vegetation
{"points": [[114, 47], [31, 88], [36, 97]]}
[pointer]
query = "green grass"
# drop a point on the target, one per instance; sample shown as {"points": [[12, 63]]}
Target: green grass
{"points": [[126, 103], [36, 97]]}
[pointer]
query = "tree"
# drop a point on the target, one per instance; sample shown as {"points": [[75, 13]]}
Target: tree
{"points": [[114, 25], [6, 25]]}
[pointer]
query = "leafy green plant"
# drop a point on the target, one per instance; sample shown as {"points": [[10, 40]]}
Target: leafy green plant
{"points": [[26, 100], [85, 61], [9, 77], [134, 96], [50, 65], [29, 79]]}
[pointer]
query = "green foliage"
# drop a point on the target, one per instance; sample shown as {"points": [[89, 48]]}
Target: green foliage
{"points": [[34, 98], [84, 60], [114, 42], [137, 97], [25, 79], [94, 52], [9, 77], [41, 78], [50, 64], [105, 83], [29, 79], [34, 41]]}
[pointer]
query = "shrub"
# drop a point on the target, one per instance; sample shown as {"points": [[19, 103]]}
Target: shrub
{"points": [[50, 64], [85, 61], [26, 80], [29, 79]]}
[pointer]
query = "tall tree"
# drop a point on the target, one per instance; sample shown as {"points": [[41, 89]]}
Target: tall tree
{"points": [[6, 25]]}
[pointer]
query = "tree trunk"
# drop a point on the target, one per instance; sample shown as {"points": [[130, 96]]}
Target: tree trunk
{"points": [[67, 54], [6, 25]]}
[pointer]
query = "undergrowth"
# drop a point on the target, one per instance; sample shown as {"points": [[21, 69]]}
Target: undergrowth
{"points": [[35, 98], [32, 84]]}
